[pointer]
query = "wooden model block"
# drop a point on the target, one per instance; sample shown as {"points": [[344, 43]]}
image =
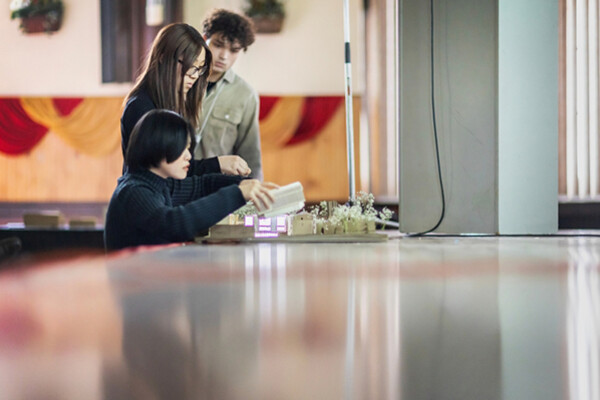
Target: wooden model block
{"points": [[331, 206], [358, 226], [329, 228], [83, 222], [231, 219], [370, 226], [44, 219], [231, 232], [301, 224]]}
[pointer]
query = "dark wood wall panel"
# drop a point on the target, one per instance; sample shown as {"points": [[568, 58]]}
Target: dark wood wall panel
{"points": [[126, 38]]}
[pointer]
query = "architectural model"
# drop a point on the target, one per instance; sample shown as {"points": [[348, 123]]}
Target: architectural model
{"points": [[328, 218]]}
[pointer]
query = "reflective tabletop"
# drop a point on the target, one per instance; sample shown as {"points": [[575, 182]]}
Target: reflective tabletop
{"points": [[411, 318]]}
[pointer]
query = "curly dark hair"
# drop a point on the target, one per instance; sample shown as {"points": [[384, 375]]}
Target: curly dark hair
{"points": [[234, 27]]}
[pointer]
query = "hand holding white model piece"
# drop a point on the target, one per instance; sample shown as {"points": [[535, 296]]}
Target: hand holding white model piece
{"points": [[287, 199], [259, 193]]}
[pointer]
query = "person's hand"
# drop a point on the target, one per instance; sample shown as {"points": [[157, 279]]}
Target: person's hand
{"points": [[258, 193], [234, 165]]}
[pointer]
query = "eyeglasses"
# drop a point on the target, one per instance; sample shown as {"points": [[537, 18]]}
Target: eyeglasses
{"points": [[195, 72]]}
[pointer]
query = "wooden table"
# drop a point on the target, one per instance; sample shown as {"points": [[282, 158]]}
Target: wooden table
{"points": [[408, 318]]}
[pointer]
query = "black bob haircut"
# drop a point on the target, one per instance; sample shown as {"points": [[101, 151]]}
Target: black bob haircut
{"points": [[231, 25], [159, 135]]}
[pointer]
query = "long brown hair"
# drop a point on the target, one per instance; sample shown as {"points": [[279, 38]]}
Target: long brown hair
{"points": [[175, 43]]}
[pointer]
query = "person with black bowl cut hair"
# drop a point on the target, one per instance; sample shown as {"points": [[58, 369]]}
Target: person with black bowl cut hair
{"points": [[156, 202]]}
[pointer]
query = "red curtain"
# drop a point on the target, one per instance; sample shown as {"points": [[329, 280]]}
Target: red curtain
{"points": [[266, 104], [317, 111], [65, 105], [18, 133]]}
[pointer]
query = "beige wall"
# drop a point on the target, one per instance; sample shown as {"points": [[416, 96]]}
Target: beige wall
{"points": [[66, 63], [305, 59]]}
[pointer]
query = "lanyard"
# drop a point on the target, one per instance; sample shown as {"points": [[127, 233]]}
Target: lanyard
{"points": [[205, 117]]}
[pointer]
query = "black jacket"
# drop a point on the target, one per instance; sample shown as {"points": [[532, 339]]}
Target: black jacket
{"points": [[146, 209], [134, 110]]}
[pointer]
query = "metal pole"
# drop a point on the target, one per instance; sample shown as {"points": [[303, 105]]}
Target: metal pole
{"points": [[348, 96]]}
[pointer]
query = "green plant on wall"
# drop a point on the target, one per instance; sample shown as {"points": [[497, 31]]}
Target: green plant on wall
{"points": [[38, 15], [267, 15], [258, 8], [30, 8]]}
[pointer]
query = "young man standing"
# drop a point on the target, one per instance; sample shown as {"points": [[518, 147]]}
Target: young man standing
{"points": [[229, 123]]}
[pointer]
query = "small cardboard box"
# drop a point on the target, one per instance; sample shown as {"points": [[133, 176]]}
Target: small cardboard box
{"points": [[44, 219], [83, 222], [231, 231]]}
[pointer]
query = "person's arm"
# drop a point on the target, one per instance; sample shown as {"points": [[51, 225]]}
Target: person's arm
{"points": [[229, 165], [193, 187], [149, 213], [247, 144], [204, 166]]}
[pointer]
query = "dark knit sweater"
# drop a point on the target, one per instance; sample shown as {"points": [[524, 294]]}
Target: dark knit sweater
{"points": [[135, 109], [146, 209]]}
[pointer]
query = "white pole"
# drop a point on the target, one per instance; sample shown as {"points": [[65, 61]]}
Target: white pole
{"points": [[348, 96]]}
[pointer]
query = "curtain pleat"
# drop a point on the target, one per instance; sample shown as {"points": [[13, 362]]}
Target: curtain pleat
{"points": [[278, 127], [316, 113], [92, 128], [18, 132], [92, 125]]}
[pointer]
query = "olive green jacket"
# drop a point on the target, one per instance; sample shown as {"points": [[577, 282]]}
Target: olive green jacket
{"points": [[229, 123]]}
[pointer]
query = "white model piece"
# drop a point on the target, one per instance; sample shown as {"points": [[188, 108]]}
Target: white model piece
{"points": [[288, 199]]}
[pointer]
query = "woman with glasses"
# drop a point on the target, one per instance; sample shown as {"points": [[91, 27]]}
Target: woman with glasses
{"points": [[175, 78]]}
